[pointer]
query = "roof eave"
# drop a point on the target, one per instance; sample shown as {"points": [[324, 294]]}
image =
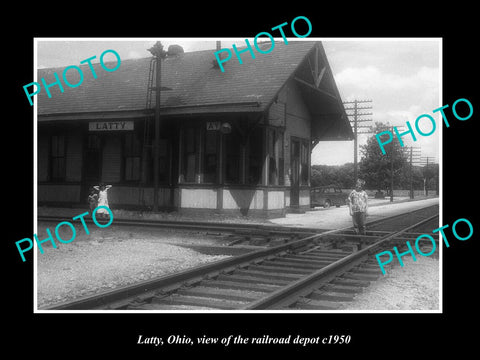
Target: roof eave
{"points": [[200, 109]]}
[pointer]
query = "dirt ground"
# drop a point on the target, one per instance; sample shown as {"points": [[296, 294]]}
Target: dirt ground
{"points": [[110, 258], [415, 286], [117, 256], [336, 218]]}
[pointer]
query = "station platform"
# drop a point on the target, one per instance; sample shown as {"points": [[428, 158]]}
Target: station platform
{"points": [[318, 218], [119, 256], [335, 218]]}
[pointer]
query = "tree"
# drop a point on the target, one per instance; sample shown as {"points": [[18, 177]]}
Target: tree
{"points": [[376, 168], [430, 176], [346, 175], [417, 178], [340, 175]]}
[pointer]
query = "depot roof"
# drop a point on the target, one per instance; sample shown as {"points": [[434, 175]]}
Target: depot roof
{"points": [[191, 84]]}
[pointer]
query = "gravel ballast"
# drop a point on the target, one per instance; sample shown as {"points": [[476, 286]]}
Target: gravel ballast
{"points": [[110, 258], [415, 286], [118, 256]]}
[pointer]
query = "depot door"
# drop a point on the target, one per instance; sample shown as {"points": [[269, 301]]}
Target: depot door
{"points": [[295, 168], [92, 163]]}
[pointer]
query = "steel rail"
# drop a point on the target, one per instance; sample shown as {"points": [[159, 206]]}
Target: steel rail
{"points": [[196, 225], [304, 284], [182, 276], [171, 281], [218, 226]]}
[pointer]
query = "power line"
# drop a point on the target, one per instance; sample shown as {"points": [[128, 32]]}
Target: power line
{"points": [[413, 151], [426, 160], [357, 114]]}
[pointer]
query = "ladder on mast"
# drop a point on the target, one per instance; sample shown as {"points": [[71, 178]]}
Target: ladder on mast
{"points": [[146, 128]]}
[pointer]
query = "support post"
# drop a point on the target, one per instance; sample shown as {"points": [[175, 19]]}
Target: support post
{"points": [[156, 144], [358, 118]]}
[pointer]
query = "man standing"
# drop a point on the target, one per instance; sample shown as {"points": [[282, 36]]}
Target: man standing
{"points": [[358, 206]]}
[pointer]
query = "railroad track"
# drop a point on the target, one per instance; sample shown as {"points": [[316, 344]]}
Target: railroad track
{"points": [[234, 233], [319, 271]]}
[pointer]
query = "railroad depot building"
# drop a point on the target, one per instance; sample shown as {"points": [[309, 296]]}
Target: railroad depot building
{"points": [[235, 142]]}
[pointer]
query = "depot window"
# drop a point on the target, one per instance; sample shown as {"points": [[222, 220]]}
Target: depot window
{"points": [[189, 155], [163, 163], [210, 158], [275, 157], [255, 157], [304, 161], [131, 157], [57, 158], [233, 158]]}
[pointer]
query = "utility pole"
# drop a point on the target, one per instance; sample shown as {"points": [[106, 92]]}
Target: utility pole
{"points": [[159, 53], [390, 154], [426, 160], [414, 151], [391, 165], [357, 118], [391, 175]]}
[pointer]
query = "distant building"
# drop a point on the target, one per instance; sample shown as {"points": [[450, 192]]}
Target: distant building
{"points": [[276, 107]]}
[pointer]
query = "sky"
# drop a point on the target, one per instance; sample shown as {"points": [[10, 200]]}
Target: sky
{"points": [[400, 76]]}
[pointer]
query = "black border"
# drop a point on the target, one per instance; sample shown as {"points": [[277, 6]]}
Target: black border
{"points": [[113, 334]]}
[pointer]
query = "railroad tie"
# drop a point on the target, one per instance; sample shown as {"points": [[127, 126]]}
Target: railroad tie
{"points": [[331, 295], [309, 304]]}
